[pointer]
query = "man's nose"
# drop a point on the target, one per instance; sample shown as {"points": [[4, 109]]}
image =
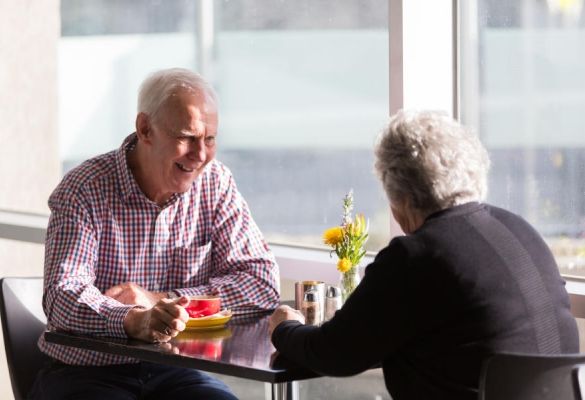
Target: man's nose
{"points": [[197, 150]]}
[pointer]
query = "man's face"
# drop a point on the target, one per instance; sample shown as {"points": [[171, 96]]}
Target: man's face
{"points": [[180, 143]]}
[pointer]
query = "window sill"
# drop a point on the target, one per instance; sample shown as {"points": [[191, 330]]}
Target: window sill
{"points": [[304, 263], [24, 227], [296, 262]]}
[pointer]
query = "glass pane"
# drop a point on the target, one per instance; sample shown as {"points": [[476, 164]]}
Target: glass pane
{"points": [[107, 47], [304, 92], [303, 88], [523, 89]]}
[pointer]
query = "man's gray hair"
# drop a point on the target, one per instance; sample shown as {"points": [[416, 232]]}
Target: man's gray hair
{"points": [[432, 160], [159, 86]]}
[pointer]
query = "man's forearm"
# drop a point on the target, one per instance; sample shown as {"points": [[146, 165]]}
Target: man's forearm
{"points": [[133, 294]]}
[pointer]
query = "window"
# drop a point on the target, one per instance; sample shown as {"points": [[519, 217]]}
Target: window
{"points": [[523, 88], [303, 88]]}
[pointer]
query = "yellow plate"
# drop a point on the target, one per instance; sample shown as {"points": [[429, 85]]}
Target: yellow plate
{"points": [[208, 323], [204, 334]]}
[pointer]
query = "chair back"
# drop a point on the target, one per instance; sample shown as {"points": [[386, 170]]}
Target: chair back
{"points": [[511, 376], [23, 321]]}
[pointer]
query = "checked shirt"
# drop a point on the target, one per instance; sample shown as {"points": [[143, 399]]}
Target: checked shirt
{"points": [[104, 231]]}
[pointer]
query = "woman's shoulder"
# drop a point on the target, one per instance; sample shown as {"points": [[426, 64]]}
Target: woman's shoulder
{"points": [[400, 252]]}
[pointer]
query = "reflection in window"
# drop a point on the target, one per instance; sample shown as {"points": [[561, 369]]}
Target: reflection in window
{"points": [[524, 90], [303, 87]]}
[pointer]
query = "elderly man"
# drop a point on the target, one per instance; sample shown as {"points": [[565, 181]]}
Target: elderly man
{"points": [[133, 232]]}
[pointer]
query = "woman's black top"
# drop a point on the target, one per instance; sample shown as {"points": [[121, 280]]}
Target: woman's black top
{"points": [[472, 280]]}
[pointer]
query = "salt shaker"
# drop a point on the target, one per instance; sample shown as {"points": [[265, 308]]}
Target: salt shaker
{"points": [[332, 301], [311, 308]]}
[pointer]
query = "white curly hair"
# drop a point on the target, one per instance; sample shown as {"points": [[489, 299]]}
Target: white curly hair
{"points": [[431, 160]]}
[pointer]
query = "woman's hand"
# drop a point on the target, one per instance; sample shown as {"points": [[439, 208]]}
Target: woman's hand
{"points": [[281, 314]]}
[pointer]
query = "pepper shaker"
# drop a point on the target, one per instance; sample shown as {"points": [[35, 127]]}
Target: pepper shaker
{"points": [[311, 308], [332, 301], [304, 286]]}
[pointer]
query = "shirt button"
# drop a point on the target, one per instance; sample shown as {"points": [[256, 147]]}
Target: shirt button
{"points": [[159, 249], [156, 286]]}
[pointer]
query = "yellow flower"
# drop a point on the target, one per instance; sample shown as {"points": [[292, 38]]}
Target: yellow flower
{"points": [[344, 265], [333, 236]]}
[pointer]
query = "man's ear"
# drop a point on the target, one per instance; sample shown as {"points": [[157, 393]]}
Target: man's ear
{"points": [[143, 127]]}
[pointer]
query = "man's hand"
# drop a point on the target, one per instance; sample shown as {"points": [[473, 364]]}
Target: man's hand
{"points": [[160, 323], [133, 294], [284, 313]]}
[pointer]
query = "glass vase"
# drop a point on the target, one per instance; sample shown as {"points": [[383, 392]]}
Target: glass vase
{"points": [[349, 281]]}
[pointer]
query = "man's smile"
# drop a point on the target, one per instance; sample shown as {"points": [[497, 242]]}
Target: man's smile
{"points": [[183, 168]]}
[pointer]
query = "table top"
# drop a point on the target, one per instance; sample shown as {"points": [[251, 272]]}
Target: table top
{"points": [[242, 348]]}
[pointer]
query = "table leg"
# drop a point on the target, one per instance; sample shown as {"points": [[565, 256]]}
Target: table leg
{"points": [[285, 391]]}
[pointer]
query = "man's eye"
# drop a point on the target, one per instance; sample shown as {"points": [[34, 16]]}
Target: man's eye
{"points": [[210, 139]]}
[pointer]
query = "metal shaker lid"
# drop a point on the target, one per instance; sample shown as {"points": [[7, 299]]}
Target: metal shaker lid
{"points": [[333, 291], [311, 295]]}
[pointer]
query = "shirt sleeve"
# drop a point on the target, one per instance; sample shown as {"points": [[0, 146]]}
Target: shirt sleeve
{"points": [[70, 300], [373, 323], [244, 274]]}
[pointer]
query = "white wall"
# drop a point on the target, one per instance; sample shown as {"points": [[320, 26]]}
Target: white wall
{"points": [[29, 165]]}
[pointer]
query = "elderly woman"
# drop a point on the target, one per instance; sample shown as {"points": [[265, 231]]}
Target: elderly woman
{"points": [[467, 280]]}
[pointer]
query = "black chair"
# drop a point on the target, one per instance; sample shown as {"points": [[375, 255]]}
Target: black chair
{"points": [[23, 321], [512, 376]]}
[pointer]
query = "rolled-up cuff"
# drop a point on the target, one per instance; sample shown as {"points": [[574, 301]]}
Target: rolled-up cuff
{"points": [[115, 320]]}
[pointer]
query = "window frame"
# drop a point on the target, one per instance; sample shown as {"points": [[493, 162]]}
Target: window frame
{"points": [[298, 262]]}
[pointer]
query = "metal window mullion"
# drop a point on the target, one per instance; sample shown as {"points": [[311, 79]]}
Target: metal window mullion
{"points": [[205, 39], [396, 55]]}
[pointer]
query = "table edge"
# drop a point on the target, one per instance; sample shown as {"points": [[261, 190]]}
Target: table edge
{"points": [[103, 345]]}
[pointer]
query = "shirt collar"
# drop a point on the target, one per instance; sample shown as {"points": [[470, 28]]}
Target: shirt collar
{"points": [[128, 185]]}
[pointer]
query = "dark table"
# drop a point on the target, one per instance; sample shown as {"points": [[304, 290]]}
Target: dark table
{"points": [[241, 349]]}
